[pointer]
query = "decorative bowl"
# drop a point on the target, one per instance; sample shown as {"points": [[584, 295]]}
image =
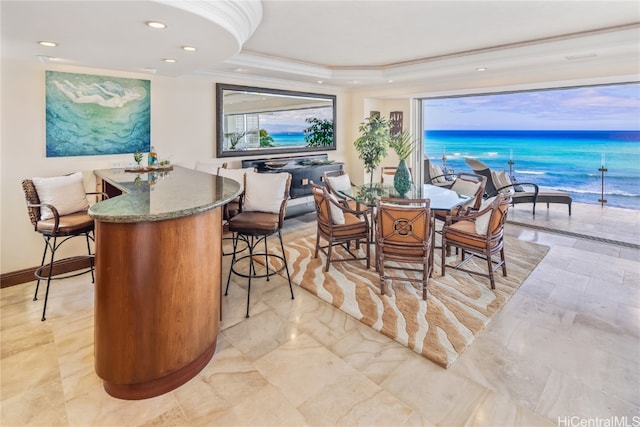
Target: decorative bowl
{"points": [[276, 164]]}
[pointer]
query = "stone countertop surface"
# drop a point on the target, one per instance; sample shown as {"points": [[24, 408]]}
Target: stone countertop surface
{"points": [[156, 196]]}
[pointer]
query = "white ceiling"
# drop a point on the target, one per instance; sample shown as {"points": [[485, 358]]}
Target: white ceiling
{"points": [[347, 43]]}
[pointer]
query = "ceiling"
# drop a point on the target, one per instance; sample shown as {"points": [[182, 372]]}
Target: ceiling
{"points": [[347, 43]]}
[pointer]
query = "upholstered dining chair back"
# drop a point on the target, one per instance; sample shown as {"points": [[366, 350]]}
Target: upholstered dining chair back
{"points": [[404, 234], [469, 184], [337, 181], [339, 225]]}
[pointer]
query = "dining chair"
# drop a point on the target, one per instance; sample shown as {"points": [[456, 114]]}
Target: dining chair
{"points": [[478, 233], [261, 216], [404, 236], [57, 208], [466, 184], [339, 180], [339, 225]]}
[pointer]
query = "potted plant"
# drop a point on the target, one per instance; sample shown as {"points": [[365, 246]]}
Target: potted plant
{"points": [[373, 143], [403, 144]]}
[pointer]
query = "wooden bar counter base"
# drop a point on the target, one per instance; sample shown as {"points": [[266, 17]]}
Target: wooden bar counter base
{"points": [[158, 268]]}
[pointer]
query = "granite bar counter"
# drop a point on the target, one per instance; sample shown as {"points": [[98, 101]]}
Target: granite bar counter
{"points": [[158, 272]]}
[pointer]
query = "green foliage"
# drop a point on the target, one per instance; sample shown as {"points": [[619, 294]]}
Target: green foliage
{"points": [[403, 144], [373, 143], [319, 133], [266, 140]]}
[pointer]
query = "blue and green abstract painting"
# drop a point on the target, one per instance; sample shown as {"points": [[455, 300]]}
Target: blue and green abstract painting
{"points": [[88, 115]]}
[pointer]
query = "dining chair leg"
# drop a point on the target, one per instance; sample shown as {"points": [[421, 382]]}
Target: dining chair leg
{"points": [[317, 244], [329, 250], [443, 258], [504, 262], [490, 267]]}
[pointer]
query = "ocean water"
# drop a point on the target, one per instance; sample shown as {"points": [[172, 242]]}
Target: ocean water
{"points": [[561, 160], [289, 139]]}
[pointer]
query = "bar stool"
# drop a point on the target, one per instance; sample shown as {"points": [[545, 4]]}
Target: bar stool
{"points": [[57, 209], [261, 216]]}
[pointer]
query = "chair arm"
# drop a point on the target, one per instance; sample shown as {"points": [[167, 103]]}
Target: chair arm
{"points": [[517, 184], [444, 175], [469, 215], [56, 215], [347, 209]]}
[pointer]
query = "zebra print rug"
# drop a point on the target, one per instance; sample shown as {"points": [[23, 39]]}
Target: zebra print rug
{"points": [[458, 306]]}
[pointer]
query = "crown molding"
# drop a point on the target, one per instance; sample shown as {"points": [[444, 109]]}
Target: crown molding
{"points": [[239, 18]]}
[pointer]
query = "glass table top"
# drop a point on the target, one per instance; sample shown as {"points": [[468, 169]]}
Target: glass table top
{"points": [[440, 198]]}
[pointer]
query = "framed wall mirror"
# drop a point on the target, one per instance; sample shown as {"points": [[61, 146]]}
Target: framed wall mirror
{"points": [[255, 121]]}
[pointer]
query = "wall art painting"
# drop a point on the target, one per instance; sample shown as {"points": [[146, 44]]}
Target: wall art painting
{"points": [[88, 115]]}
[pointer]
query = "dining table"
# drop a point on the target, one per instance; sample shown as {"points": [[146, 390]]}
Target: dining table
{"points": [[440, 198]]}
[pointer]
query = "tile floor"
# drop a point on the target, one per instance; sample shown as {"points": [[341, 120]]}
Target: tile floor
{"points": [[564, 351]]}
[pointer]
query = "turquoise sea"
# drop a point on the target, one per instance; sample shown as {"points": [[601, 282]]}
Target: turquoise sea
{"points": [[561, 160]]}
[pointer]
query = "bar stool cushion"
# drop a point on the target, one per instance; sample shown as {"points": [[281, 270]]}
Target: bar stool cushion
{"points": [[248, 222], [66, 193], [69, 224]]}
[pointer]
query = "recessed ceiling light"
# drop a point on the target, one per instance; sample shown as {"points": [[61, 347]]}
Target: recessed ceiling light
{"points": [[47, 43], [481, 69], [156, 24], [389, 81], [320, 82], [169, 60], [240, 70], [189, 48]]}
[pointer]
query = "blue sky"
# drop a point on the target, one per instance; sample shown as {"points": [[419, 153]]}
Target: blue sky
{"points": [[612, 107]]}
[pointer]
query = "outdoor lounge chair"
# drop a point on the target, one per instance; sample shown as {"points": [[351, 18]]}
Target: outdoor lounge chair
{"points": [[434, 175], [518, 194]]}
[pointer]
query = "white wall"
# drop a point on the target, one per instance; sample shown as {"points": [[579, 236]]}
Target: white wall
{"points": [[182, 128]]}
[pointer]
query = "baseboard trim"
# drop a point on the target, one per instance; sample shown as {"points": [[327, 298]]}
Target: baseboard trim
{"points": [[28, 274]]}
